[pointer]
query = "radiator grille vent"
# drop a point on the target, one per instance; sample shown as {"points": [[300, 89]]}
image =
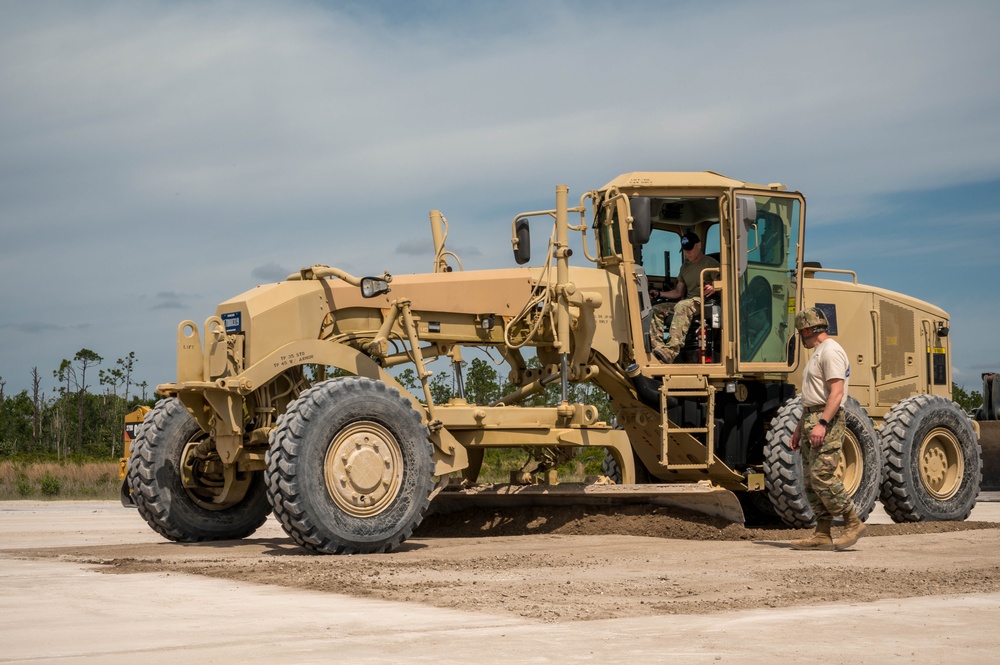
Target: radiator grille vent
{"points": [[898, 338], [896, 393]]}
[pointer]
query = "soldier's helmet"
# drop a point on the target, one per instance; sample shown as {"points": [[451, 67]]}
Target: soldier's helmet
{"points": [[811, 317]]}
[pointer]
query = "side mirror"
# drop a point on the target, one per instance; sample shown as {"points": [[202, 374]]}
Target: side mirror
{"points": [[373, 286], [642, 222], [746, 210], [522, 242]]}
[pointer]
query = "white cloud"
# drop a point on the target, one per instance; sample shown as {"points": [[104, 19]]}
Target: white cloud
{"points": [[200, 147]]}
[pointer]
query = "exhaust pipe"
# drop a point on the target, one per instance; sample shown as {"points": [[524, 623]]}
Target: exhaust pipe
{"points": [[647, 389]]}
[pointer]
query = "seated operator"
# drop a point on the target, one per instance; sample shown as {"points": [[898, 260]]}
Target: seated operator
{"points": [[687, 284]]}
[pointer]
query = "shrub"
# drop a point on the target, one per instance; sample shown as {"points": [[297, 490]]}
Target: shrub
{"points": [[24, 485], [50, 484]]}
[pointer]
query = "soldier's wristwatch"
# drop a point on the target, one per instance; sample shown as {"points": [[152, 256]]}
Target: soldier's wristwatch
{"points": [[822, 421]]}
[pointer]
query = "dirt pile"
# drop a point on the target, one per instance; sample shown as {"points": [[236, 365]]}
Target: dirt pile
{"points": [[638, 520]]}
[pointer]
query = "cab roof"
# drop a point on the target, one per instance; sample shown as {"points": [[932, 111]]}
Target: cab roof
{"points": [[679, 179]]}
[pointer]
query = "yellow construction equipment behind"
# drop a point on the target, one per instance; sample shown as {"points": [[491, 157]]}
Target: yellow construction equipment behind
{"points": [[988, 421], [133, 420]]}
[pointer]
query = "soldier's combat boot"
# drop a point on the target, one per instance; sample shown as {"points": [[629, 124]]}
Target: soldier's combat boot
{"points": [[820, 540], [854, 528]]}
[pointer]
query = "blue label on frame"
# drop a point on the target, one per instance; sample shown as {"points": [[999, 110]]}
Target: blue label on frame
{"points": [[233, 321]]}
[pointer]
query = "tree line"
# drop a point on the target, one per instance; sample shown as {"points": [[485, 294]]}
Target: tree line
{"points": [[75, 422], [481, 384], [81, 417]]}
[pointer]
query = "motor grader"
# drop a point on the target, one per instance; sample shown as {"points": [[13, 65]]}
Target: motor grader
{"points": [[352, 463]]}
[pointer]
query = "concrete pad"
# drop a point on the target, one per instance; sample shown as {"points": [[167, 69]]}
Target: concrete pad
{"points": [[62, 612]]}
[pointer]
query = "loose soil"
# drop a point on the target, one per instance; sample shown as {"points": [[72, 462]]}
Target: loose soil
{"points": [[574, 563]]}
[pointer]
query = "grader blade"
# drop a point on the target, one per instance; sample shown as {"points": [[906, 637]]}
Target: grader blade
{"points": [[702, 497]]}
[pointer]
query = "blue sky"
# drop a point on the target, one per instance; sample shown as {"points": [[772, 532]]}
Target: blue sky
{"points": [[157, 158]]}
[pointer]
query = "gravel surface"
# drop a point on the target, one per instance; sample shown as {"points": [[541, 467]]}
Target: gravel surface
{"points": [[560, 564]]}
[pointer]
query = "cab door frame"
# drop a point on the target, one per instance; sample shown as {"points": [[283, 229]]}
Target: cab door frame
{"points": [[766, 282]]}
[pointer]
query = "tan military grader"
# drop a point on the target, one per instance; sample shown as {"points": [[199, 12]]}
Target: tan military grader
{"points": [[353, 463]]}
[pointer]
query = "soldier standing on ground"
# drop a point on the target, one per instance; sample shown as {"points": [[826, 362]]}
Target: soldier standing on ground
{"points": [[688, 283], [821, 432]]}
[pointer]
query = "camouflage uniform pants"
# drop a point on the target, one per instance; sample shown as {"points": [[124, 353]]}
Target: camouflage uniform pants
{"points": [[684, 312], [656, 329], [824, 488]]}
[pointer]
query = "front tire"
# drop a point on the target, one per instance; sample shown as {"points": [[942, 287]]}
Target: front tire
{"points": [[758, 510], [350, 468], [188, 514], [933, 465], [860, 467]]}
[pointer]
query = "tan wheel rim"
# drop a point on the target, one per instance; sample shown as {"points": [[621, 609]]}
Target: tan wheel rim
{"points": [[363, 469], [940, 464], [852, 464]]}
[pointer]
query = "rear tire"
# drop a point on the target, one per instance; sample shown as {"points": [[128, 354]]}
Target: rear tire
{"points": [[861, 466], [933, 465], [179, 513], [350, 468], [611, 469]]}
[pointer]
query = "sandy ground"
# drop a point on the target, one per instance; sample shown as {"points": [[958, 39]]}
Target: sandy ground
{"points": [[559, 585]]}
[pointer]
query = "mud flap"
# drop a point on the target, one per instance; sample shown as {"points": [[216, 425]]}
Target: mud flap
{"points": [[701, 497]]}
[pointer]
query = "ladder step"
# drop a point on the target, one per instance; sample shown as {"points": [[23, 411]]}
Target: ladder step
{"points": [[687, 467], [706, 397]]}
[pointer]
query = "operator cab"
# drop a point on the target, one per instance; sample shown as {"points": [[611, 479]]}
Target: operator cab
{"points": [[754, 231], [661, 261]]}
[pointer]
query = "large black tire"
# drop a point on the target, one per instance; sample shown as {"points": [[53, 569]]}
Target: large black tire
{"points": [[350, 468], [125, 494], [861, 466], [933, 465], [758, 511], [179, 513], [611, 469]]}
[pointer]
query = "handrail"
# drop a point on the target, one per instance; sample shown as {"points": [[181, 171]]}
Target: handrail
{"points": [[756, 235], [809, 269], [927, 328], [877, 325], [320, 272], [703, 337]]}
